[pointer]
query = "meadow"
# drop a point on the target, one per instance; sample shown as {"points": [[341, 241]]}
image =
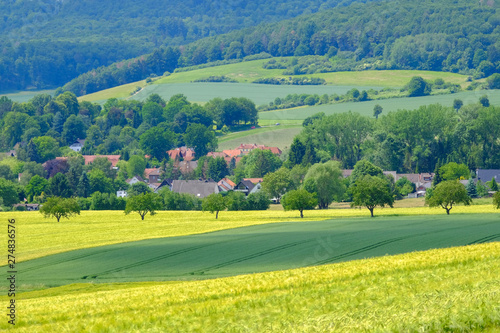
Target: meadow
{"points": [[248, 71], [24, 96], [202, 92], [288, 116], [281, 137], [453, 289]]}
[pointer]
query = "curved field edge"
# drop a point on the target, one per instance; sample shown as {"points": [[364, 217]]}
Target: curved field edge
{"points": [[453, 289], [249, 71], [38, 237]]}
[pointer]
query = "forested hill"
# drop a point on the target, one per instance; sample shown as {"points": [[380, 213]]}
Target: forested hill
{"points": [[449, 35], [46, 43]]}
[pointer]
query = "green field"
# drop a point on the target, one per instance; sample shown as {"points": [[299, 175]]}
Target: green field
{"points": [[186, 271], [248, 71], [275, 136], [24, 96], [202, 92], [366, 108], [267, 247]]}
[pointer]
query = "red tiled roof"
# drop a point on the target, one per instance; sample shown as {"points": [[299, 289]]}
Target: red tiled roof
{"points": [[151, 171], [186, 153], [216, 154], [232, 152], [229, 181], [254, 180]]}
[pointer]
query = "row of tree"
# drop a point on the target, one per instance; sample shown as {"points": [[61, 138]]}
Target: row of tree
{"points": [[406, 141]]}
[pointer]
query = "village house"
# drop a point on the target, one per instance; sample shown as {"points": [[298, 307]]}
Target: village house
{"points": [[27, 207], [77, 145], [152, 175], [198, 188], [89, 159], [246, 148], [184, 153], [226, 184], [486, 175], [249, 185]]}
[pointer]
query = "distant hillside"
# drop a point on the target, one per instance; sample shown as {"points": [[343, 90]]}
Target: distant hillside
{"points": [[46, 43], [440, 35]]}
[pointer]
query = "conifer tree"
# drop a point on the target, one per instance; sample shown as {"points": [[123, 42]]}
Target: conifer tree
{"points": [[83, 188]]}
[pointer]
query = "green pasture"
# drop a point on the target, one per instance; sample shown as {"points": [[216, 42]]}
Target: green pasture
{"points": [[366, 108], [275, 136], [260, 248], [259, 93], [248, 71], [24, 96]]}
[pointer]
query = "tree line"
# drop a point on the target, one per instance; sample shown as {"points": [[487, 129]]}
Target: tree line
{"points": [[406, 141]]}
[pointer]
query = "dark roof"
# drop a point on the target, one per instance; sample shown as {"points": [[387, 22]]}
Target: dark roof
{"points": [[485, 175], [199, 188], [245, 185]]}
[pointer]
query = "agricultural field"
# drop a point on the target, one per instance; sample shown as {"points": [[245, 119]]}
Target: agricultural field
{"points": [[366, 108], [202, 92], [248, 71], [453, 289], [206, 251], [275, 136], [44, 236], [24, 96]]}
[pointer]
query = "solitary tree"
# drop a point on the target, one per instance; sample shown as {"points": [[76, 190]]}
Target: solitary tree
{"points": [[457, 104], [299, 200], [448, 193], [144, 203], [418, 87], [377, 110], [484, 101], [60, 207], [214, 203], [371, 191]]}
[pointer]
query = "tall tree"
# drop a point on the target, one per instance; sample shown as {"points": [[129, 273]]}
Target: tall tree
{"points": [[59, 186], [83, 189], [201, 138], [217, 168], [277, 183], [325, 179], [156, 142], [377, 110]]}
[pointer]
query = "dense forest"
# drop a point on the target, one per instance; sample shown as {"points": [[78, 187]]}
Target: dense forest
{"points": [[46, 43], [445, 35]]}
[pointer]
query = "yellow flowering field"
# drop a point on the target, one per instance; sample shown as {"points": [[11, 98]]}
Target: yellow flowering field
{"points": [[37, 236], [453, 289]]}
